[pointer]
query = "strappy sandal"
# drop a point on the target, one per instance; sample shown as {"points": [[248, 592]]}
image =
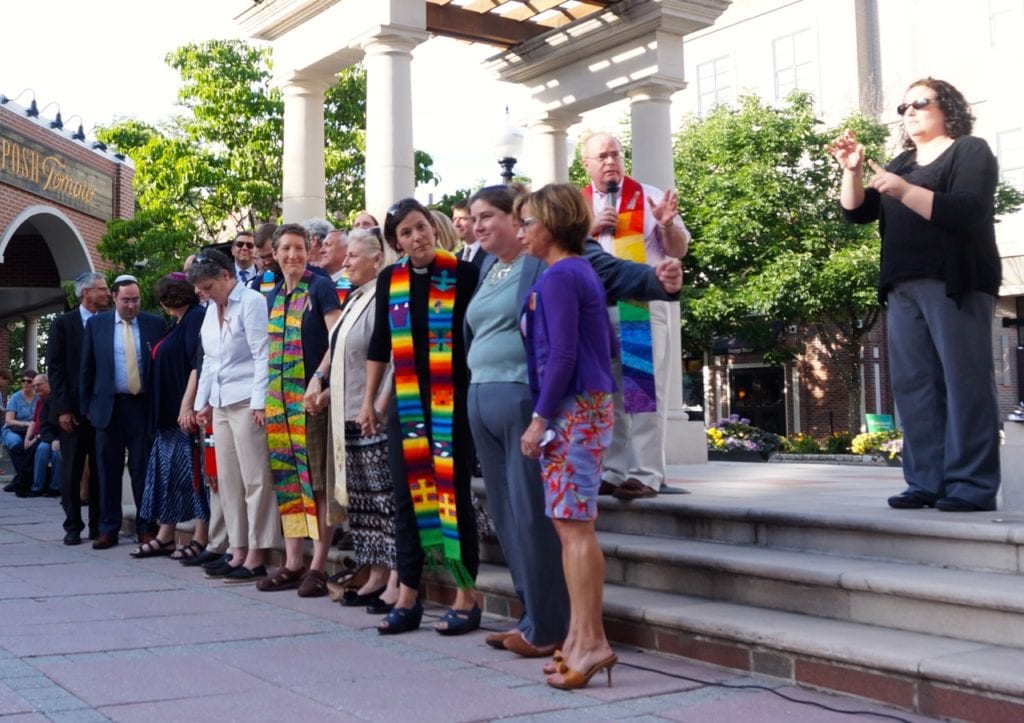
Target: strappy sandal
{"points": [[187, 552], [338, 583], [401, 620], [154, 548], [283, 579], [459, 622]]}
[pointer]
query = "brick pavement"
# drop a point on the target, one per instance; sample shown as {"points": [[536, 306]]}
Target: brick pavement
{"points": [[88, 635]]}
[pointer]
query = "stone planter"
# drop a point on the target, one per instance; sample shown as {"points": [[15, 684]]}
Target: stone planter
{"points": [[737, 455]]}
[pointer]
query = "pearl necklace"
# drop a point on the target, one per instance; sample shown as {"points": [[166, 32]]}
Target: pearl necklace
{"points": [[501, 270]]}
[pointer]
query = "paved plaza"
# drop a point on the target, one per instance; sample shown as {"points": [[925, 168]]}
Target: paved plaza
{"points": [[89, 636]]}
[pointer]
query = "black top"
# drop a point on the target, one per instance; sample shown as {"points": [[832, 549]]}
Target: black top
{"points": [[419, 291], [322, 299], [958, 244], [173, 359]]}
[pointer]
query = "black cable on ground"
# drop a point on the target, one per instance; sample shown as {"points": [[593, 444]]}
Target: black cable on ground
{"points": [[749, 686]]}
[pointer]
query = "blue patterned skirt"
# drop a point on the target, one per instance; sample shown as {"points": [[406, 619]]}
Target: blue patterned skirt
{"points": [[169, 497]]}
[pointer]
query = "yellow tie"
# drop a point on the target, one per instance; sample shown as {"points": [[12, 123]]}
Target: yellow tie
{"points": [[131, 361]]}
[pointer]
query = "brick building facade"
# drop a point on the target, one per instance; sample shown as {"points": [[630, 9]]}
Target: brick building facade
{"points": [[57, 192]]}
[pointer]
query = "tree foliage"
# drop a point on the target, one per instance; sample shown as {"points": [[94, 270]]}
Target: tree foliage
{"points": [[759, 194], [216, 168]]}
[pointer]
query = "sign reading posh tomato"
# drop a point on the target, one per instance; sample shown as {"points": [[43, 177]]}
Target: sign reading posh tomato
{"points": [[44, 171]]}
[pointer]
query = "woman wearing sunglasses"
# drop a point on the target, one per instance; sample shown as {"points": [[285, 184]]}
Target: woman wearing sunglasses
{"points": [[939, 278], [420, 306]]}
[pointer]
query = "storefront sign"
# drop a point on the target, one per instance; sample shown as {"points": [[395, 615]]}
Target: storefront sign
{"points": [[45, 172]]}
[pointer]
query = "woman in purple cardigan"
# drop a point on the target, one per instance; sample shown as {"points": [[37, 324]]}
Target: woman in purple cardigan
{"points": [[568, 349]]}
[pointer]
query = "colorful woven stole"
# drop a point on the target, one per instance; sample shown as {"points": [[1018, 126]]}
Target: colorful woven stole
{"points": [[638, 391], [286, 417], [430, 473], [267, 282], [343, 287]]}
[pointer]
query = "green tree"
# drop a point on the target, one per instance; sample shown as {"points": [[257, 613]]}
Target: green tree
{"points": [[215, 168], [759, 193]]}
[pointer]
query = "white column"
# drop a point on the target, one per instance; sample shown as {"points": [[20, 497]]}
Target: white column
{"points": [[651, 126], [303, 192], [32, 342], [548, 143], [390, 169]]}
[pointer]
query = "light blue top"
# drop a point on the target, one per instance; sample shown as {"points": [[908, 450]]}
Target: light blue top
{"points": [[497, 353], [22, 408]]}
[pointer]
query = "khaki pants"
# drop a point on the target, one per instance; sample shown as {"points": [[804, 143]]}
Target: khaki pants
{"points": [[243, 478]]}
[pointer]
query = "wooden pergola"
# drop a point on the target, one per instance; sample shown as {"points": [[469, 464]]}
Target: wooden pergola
{"points": [[505, 23]]}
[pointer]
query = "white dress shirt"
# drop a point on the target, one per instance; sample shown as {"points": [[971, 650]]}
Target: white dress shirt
{"points": [[235, 352]]}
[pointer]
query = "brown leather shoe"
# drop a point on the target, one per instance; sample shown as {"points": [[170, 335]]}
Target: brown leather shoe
{"points": [[606, 488], [633, 489], [497, 640], [104, 541], [522, 647], [314, 584], [283, 579]]}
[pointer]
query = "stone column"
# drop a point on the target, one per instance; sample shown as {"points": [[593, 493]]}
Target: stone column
{"points": [[390, 169], [32, 342], [549, 152], [303, 192], [651, 126]]}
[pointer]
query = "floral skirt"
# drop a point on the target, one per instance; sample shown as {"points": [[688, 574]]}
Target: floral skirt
{"points": [[571, 463]]}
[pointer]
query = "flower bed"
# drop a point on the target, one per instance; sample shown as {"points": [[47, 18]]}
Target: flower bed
{"points": [[734, 438]]}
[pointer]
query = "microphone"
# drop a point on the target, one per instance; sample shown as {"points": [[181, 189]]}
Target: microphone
{"points": [[612, 189]]}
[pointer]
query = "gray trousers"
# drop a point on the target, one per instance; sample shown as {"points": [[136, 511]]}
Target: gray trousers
{"points": [[499, 413], [944, 386]]}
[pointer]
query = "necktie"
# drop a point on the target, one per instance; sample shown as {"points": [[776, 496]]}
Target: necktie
{"points": [[244, 276], [131, 361], [467, 253]]}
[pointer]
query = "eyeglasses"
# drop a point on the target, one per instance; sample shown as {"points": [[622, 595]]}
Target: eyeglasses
{"points": [[919, 104], [104, 289], [26, 381], [527, 221], [609, 156], [245, 245]]}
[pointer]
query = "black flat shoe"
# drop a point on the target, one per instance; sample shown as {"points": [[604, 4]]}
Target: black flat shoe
{"points": [[379, 607], [352, 599], [910, 500], [955, 504], [401, 620]]}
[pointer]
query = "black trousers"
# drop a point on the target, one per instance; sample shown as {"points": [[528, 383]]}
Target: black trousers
{"points": [[76, 448], [408, 551], [127, 431]]}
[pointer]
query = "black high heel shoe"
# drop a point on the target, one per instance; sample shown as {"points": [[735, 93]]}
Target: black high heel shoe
{"points": [[401, 620], [352, 599]]}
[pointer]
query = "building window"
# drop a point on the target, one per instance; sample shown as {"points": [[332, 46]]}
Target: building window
{"points": [[714, 84], [1010, 152], [1005, 23], [794, 63]]}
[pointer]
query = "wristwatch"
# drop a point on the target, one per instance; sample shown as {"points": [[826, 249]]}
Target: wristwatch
{"points": [[320, 375]]}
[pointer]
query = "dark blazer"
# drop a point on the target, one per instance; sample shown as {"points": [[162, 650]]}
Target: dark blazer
{"points": [[622, 279], [96, 383], [64, 361], [479, 258]]}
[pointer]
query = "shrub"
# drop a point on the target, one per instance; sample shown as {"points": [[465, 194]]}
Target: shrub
{"points": [[838, 443], [876, 443], [735, 433], [801, 444]]}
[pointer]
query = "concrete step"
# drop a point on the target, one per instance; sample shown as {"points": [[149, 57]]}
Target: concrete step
{"points": [[983, 607], [931, 674], [975, 541]]}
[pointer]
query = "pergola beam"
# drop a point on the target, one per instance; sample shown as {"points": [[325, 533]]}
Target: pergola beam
{"points": [[455, 22]]}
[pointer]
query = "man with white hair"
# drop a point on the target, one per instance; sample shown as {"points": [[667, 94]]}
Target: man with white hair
{"points": [[640, 223], [317, 229], [332, 255]]}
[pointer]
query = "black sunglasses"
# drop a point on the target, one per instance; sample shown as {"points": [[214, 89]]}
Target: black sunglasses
{"points": [[404, 203], [919, 104], [244, 245]]}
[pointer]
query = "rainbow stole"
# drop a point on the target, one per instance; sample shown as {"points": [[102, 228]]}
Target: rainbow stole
{"points": [[267, 282], [343, 287], [286, 417], [638, 390], [429, 465]]}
